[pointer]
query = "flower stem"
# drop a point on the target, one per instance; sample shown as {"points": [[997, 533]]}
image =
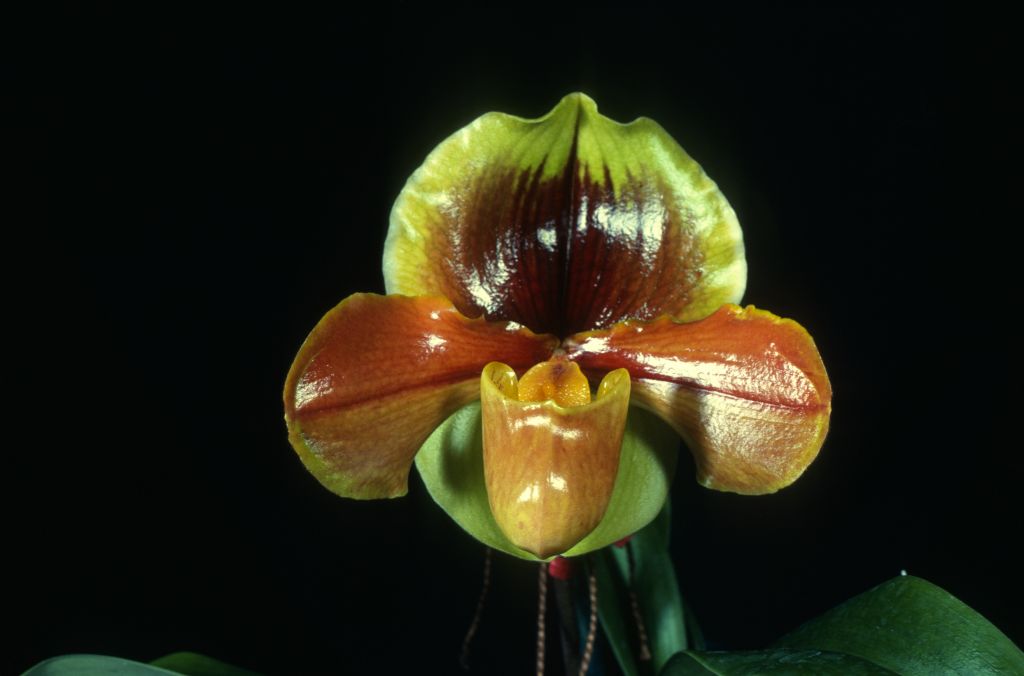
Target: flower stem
{"points": [[542, 606], [475, 624], [588, 650], [570, 629]]}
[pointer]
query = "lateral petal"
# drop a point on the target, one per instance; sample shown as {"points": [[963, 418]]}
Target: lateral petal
{"points": [[745, 389], [565, 223], [378, 374]]}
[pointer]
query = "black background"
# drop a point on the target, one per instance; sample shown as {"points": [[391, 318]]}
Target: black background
{"points": [[201, 189]]}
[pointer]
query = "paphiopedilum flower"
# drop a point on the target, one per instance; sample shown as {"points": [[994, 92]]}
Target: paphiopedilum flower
{"points": [[527, 262]]}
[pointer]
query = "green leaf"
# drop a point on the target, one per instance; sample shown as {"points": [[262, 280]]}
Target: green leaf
{"points": [[910, 626], [190, 664], [654, 583], [905, 626], [794, 662], [94, 665], [656, 589], [194, 664], [614, 612], [451, 465], [694, 636]]}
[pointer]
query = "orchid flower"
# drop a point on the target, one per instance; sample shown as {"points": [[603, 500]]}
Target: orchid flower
{"points": [[558, 290]]}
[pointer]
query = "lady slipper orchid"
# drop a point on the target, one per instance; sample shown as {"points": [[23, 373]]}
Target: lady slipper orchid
{"points": [[528, 261]]}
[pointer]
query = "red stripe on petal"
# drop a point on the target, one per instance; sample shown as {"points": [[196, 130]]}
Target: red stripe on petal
{"points": [[378, 374], [746, 389]]}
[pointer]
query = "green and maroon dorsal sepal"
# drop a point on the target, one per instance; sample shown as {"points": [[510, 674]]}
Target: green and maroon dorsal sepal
{"points": [[565, 223]]}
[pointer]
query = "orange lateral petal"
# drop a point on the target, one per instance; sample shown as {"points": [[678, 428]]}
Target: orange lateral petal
{"points": [[378, 374], [747, 390]]}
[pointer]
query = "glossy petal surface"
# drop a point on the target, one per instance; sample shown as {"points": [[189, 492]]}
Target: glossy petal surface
{"points": [[565, 223], [451, 464], [550, 470], [747, 390], [378, 374]]}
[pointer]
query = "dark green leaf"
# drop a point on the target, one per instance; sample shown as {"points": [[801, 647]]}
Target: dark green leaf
{"points": [[905, 626], [656, 589], [94, 665], [910, 626], [614, 612], [193, 664], [694, 636], [795, 662], [189, 664]]}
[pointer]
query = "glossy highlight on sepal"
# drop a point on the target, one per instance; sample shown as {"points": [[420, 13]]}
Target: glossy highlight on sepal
{"points": [[550, 469], [565, 223]]}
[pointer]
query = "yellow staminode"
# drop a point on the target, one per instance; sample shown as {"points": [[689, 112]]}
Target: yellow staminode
{"points": [[557, 380]]}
